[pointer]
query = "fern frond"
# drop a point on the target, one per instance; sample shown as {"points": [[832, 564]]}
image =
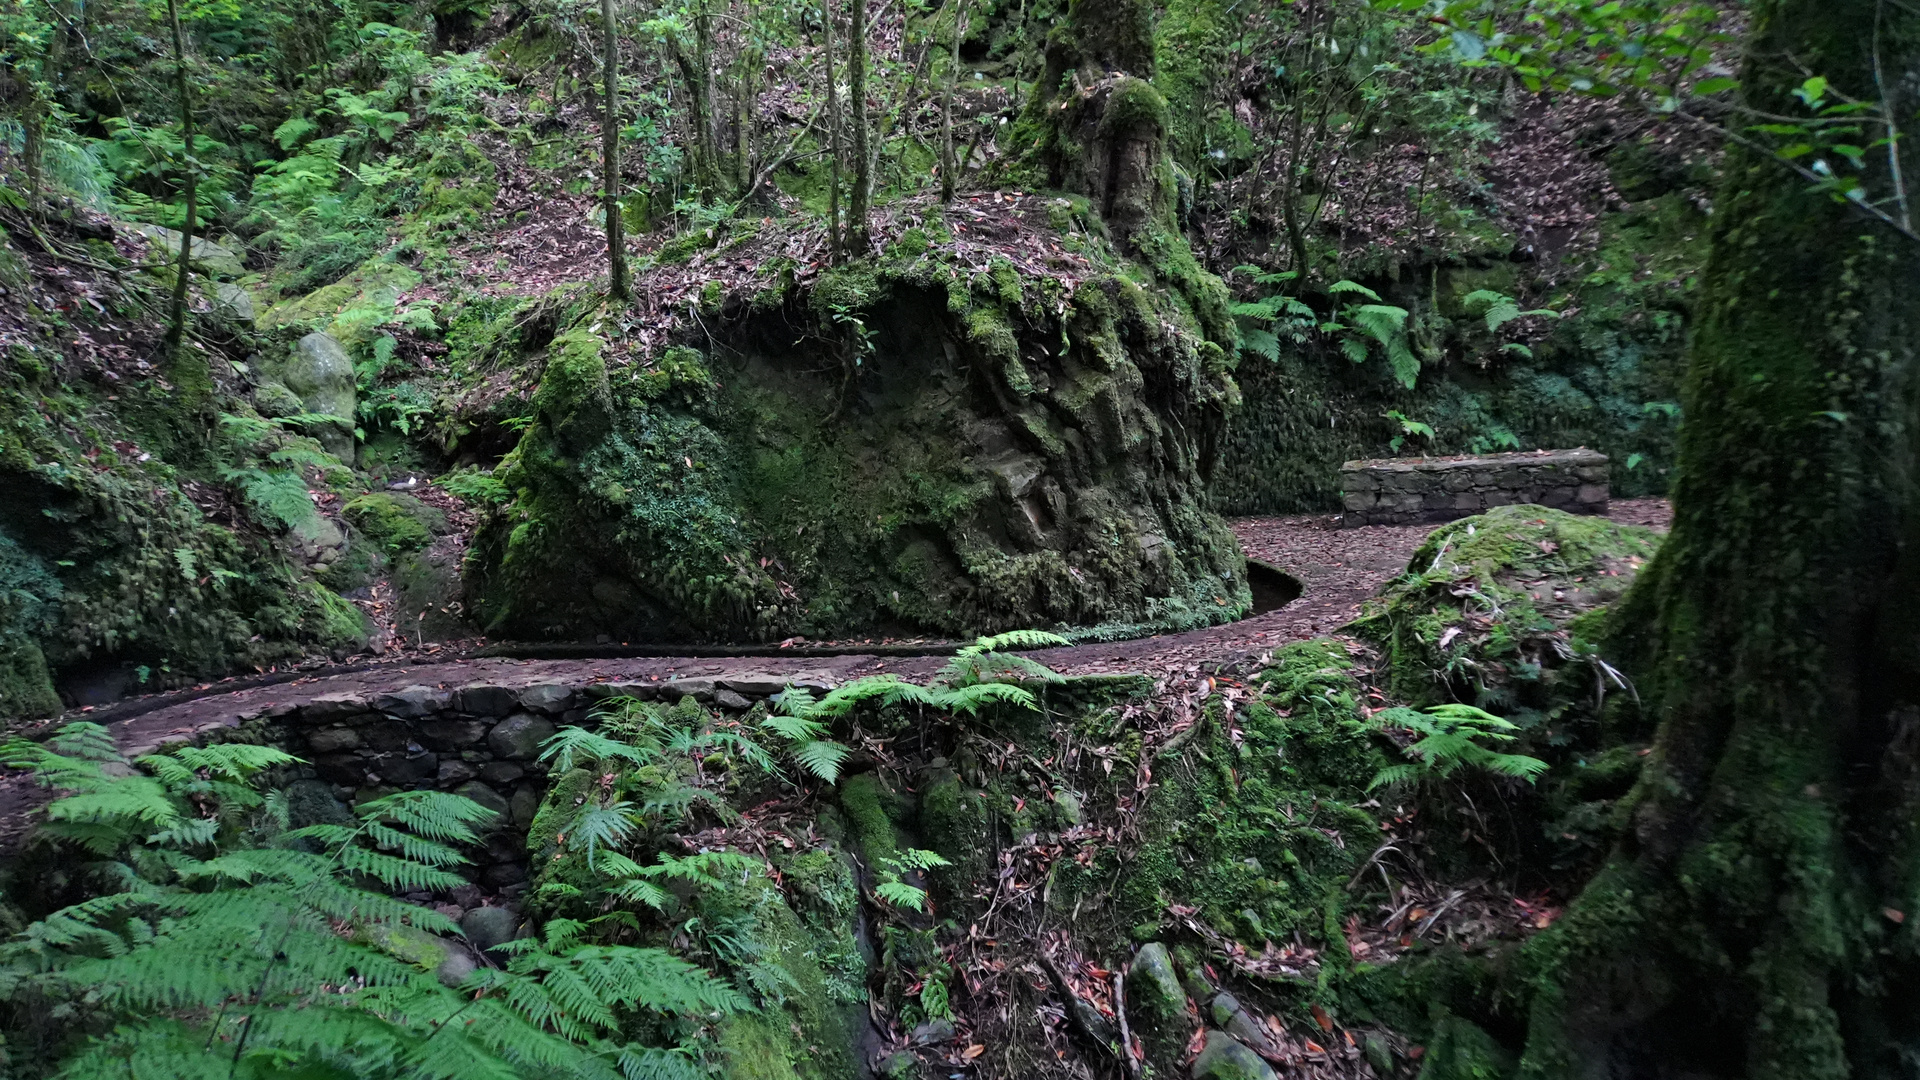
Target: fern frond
{"points": [[575, 745], [901, 894], [1015, 639], [822, 758]]}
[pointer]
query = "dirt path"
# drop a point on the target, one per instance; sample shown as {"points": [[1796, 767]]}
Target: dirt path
{"points": [[1339, 569]]}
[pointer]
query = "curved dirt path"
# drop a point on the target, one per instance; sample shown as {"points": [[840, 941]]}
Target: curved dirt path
{"points": [[1338, 569]]}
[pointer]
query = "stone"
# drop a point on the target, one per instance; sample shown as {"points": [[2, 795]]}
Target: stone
{"points": [[1226, 1058], [1230, 1016], [348, 769], [933, 1032], [454, 771], [452, 734], [273, 400], [1157, 1006], [698, 687], [524, 804], [763, 684], [406, 769], [1067, 805], [456, 967], [320, 372], [208, 256], [489, 927], [485, 796], [639, 691], [311, 802], [1378, 1054], [412, 702], [518, 737], [546, 697], [502, 773], [467, 896], [481, 699], [508, 873], [329, 739], [233, 300], [329, 707], [731, 701]]}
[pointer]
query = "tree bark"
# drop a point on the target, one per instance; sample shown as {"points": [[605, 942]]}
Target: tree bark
{"points": [[833, 135], [947, 165], [177, 317], [1760, 918], [610, 157], [856, 233]]}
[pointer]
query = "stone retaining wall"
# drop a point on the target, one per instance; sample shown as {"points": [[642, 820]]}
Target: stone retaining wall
{"points": [[479, 740], [1408, 491]]}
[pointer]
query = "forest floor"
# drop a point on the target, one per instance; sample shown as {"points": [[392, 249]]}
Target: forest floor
{"points": [[1338, 568]]}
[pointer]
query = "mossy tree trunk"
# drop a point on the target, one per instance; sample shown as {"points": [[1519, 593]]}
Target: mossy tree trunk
{"points": [[1762, 916], [1103, 124]]}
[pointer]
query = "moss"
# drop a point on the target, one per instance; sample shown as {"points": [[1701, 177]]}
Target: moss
{"points": [[26, 688], [398, 523], [1501, 589], [871, 831]]}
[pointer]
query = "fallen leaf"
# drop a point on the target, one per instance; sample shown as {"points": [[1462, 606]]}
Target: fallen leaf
{"points": [[1895, 915], [973, 1051], [1320, 1017]]}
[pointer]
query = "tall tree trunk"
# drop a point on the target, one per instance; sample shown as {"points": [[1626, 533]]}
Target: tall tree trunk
{"points": [[1762, 917], [610, 157], [177, 317], [703, 59], [856, 234], [833, 133], [947, 164]]}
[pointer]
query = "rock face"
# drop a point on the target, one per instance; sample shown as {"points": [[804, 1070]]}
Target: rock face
{"points": [[992, 464], [320, 373]]}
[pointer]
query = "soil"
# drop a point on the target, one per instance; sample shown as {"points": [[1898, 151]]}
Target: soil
{"points": [[1339, 568]]}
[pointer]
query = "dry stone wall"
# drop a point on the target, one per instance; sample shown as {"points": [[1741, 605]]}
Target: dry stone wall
{"points": [[1409, 491], [479, 740]]}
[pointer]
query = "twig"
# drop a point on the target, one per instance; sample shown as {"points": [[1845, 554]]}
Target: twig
{"points": [[1120, 1011]]}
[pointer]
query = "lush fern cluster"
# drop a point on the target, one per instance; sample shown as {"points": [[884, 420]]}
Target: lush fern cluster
{"points": [[225, 944]]}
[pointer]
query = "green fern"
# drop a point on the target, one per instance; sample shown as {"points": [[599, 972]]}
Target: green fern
{"points": [[1447, 745], [217, 950]]}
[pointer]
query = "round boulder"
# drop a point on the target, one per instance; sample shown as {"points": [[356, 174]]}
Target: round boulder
{"points": [[518, 737]]}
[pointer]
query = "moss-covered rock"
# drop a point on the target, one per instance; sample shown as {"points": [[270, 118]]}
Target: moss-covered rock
{"points": [[1157, 1007], [1002, 453], [26, 689], [398, 523], [1492, 605]]}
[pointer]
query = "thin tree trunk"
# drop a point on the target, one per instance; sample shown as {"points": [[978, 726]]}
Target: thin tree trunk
{"points": [[703, 58], [177, 319], [856, 235], [833, 135], [610, 157], [947, 164]]}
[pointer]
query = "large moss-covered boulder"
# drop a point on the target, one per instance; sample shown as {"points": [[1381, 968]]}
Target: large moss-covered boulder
{"points": [[1492, 607], [320, 373], [1157, 1007], [946, 452]]}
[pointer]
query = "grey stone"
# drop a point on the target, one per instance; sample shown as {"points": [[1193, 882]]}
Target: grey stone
{"points": [[406, 770], [728, 699], [271, 399], [1378, 1054], [546, 697], [502, 773], [524, 804], [764, 684], [518, 737], [452, 734], [1067, 805], [321, 373], [207, 255], [234, 300], [1157, 1005], [329, 739], [638, 690], [1231, 1016], [485, 796], [330, 707], [1226, 1058], [388, 738], [698, 687], [455, 771], [456, 967], [489, 927], [932, 1032], [348, 769], [412, 702], [481, 699]]}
